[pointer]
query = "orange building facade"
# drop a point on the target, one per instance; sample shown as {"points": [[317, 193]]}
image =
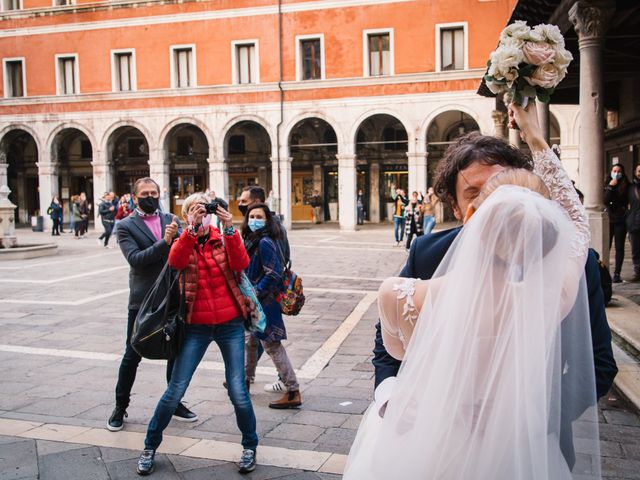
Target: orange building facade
{"points": [[302, 95]]}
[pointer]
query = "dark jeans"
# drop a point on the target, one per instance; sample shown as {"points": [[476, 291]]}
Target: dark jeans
{"points": [[108, 228], [618, 230], [410, 237], [56, 226], [398, 228], [129, 367], [634, 239], [230, 339], [360, 215]]}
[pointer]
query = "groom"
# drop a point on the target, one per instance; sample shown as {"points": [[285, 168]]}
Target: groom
{"points": [[467, 165]]}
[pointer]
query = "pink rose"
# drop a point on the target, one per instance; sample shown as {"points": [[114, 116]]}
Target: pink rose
{"points": [[538, 53], [545, 76]]}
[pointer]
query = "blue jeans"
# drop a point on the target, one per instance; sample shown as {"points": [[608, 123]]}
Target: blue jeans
{"points": [[428, 223], [230, 340], [398, 228]]}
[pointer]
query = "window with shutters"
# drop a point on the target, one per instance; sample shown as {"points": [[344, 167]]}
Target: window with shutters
{"points": [[183, 66], [14, 78], [311, 59], [123, 70], [9, 5], [379, 53], [245, 61], [452, 46], [67, 73]]}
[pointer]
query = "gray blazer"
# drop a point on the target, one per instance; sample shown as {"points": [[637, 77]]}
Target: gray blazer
{"points": [[145, 254]]}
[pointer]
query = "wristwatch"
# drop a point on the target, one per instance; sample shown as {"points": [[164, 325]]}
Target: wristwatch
{"points": [[229, 231]]}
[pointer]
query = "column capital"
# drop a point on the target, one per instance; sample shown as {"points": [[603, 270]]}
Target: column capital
{"points": [[590, 19], [498, 117], [417, 155], [47, 168], [274, 159]]}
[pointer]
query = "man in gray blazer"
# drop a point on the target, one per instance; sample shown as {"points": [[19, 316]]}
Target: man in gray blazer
{"points": [[145, 238]]}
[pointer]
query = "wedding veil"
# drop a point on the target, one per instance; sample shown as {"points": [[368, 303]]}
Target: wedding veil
{"points": [[498, 380]]}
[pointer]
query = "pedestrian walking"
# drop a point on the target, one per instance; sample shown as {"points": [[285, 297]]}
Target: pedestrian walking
{"points": [[55, 212], [316, 204], [107, 211], [145, 238], [360, 207], [261, 235], [210, 259], [399, 204], [633, 223], [84, 208], [413, 219], [429, 203], [76, 216], [616, 199]]}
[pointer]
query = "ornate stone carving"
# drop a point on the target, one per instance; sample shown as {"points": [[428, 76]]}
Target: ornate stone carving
{"points": [[591, 18]]}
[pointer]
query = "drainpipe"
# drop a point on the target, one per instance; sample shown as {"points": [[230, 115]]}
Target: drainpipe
{"points": [[281, 106]]}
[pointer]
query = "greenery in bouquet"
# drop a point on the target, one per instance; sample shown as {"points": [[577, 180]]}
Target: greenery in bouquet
{"points": [[528, 63]]}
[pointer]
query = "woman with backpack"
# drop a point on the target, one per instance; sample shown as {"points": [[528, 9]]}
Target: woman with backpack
{"points": [[261, 233]]}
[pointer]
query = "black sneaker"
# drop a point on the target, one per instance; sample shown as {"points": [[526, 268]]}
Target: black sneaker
{"points": [[116, 420], [146, 461], [247, 462], [183, 414], [616, 278]]}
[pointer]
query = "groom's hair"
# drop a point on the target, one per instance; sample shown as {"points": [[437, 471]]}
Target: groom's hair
{"points": [[470, 148]]}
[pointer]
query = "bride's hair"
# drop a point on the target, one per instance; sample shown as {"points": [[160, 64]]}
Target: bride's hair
{"points": [[512, 176]]}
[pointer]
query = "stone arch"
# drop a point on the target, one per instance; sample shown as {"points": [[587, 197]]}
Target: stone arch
{"points": [[380, 111], [313, 114], [445, 108], [224, 133], [104, 142], [72, 125], [185, 120], [20, 126]]}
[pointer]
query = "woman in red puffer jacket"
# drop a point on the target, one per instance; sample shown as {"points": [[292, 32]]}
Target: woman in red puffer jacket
{"points": [[215, 313]]}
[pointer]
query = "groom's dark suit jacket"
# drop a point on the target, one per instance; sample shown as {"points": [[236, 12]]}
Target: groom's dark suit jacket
{"points": [[424, 257]]}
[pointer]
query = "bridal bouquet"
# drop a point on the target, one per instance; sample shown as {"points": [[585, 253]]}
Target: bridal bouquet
{"points": [[528, 63]]}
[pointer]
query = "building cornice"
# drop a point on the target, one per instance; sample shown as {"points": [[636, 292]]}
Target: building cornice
{"points": [[161, 19], [448, 76]]}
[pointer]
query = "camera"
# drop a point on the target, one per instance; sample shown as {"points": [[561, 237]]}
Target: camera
{"points": [[214, 204]]}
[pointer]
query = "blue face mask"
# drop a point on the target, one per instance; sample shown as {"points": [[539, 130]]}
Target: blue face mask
{"points": [[256, 224]]}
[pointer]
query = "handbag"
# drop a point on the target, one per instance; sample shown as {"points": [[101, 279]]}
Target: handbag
{"points": [[256, 320], [158, 330], [292, 298]]}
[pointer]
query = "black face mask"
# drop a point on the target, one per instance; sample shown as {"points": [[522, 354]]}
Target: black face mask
{"points": [[243, 209], [148, 204]]}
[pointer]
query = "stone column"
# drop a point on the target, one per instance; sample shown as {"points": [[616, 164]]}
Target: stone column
{"points": [[4, 166], [262, 179], [102, 182], [218, 173], [48, 187], [374, 193], [545, 120], [347, 191], [590, 20], [317, 178], [160, 171], [285, 190], [417, 172], [514, 137], [500, 124]]}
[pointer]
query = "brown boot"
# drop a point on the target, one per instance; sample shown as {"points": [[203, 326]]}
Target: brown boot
{"points": [[288, 400]]}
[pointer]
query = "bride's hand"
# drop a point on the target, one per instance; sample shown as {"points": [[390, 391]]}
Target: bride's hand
{"points": [[526, 119]]}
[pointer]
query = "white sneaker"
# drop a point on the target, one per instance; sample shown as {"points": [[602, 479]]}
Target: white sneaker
{"points": [[275, 387]]}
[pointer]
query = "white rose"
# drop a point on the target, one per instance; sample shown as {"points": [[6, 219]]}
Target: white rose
{"points": [[519, 30], [504, 62], [545, 76], [562, 59], [549, 32], [512, 42], [495, 88]]}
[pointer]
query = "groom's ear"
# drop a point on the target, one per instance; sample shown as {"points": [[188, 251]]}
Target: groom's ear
{"points": [[456, 211]]}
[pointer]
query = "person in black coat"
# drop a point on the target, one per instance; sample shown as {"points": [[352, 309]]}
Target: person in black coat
{"points": [[467, 165], [633, 223], [616, 202], [145, 238]]}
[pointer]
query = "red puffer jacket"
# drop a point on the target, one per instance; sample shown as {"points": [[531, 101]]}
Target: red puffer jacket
{"points": [[211, 294]]}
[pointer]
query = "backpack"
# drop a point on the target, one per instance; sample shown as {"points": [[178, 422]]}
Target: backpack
{"points": [[292, 298]]}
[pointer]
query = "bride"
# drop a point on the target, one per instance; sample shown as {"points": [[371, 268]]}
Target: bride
{"points": [[497, 361]]}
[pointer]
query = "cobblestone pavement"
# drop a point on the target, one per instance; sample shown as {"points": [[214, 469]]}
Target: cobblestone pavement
{"points": [[63, 329]]}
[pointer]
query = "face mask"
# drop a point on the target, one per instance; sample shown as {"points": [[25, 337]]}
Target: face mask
{"points": [[616, 175], [148, 204], [256, 224], [243, 209], [206, 221]]}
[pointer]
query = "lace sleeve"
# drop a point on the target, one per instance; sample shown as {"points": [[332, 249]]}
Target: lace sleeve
{"points": [[398, 314], [548, 167]]}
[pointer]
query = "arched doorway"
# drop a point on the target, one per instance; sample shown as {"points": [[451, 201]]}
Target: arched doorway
{"points": [[442, 132], [22, 174], [187, 150], [247, 149], [71, 149], [381, 151], [313, 145], [128, 152]]}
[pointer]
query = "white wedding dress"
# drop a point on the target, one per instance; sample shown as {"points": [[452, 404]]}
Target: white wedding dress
{"points": [[498, 363]]}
